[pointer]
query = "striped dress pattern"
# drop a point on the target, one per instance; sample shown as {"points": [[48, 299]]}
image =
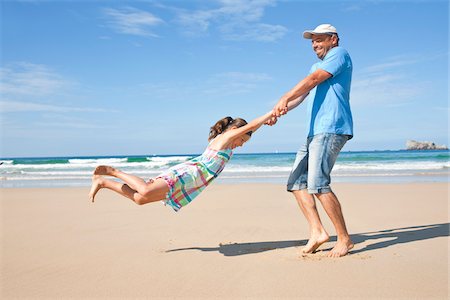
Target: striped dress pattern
{"points": [[187, 180]]}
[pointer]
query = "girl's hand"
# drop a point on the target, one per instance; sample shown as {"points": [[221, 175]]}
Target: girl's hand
{"points": [[272, 121]]}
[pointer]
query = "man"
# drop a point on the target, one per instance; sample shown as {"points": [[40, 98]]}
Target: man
{"points": [[330, 126]]}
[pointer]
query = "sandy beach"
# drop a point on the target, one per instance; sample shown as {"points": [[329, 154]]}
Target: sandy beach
{"points": [[235, 241]]}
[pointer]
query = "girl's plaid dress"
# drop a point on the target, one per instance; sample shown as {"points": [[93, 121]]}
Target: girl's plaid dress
{"points": [[187, 180]]}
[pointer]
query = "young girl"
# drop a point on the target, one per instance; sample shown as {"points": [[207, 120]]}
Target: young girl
{"points": [[179, 185]]}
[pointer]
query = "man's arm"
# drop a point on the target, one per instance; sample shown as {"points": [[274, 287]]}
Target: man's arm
{"points": [[302, 88], [291, 105]]}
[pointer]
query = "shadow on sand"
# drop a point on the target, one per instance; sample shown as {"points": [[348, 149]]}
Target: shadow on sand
{"points": [[393, 236]]}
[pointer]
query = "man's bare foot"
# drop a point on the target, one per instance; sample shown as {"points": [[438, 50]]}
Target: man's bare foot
{"points": [[315, 241], [341, 248], [97, 182], [104, 170]]}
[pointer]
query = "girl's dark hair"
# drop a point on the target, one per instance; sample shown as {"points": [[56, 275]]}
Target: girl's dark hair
{"points": [[224, 124]]}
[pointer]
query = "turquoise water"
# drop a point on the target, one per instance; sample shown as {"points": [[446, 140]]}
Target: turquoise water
{"points": [[363, 166]]}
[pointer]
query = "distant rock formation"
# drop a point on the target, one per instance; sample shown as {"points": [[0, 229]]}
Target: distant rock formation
{"points": [[415, 145]]}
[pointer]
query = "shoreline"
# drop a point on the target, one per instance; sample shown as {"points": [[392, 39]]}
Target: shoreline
{"points": [[224, 179], [235, 241]]}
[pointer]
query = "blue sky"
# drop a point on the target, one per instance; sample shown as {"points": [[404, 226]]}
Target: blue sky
{"points": [[150, 77]]}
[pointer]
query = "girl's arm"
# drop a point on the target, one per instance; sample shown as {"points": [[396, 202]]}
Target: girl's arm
{"points": [[294, 103], [252, 126]]}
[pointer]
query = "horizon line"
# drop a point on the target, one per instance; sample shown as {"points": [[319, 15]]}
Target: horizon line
{"points": [[196, 154]]}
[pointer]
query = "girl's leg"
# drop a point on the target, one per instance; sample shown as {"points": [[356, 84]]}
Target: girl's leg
{"points": [[136, 183], [99, 182], [157, 190]]}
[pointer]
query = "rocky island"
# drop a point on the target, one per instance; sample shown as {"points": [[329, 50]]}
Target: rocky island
{"points": [[415, 145]]}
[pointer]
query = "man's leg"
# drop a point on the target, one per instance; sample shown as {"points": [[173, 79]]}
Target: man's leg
{"points": [[318, 235], [333, 208], [323, 152], [297, 184]]}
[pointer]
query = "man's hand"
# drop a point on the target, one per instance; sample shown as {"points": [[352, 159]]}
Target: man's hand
{"points": [[281, 108], [272, 121]]}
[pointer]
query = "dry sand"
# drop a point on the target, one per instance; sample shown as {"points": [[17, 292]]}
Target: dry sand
{"points": [[234, 241]]}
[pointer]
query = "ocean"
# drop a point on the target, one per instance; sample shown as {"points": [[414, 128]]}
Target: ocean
{"points": [[359, 167]]}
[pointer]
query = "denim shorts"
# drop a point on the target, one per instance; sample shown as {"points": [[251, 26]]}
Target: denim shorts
{"points": [[314, 162]]}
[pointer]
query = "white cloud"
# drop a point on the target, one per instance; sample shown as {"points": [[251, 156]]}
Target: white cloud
{"points": [[390, 90], [132, 21], [56, 120], [243, 77], [254, 32], [244, 10], [233, 83], [20, 106], [391, 63], [217, 85], [387, 83], [28, 87], [351, 7], [30, 79], [234, 19]]}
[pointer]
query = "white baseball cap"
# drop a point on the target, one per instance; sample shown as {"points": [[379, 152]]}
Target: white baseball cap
{"points": [[321, 29]]}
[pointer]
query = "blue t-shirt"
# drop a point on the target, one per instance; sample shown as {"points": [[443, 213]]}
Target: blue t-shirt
{"points": [[329, 102]]}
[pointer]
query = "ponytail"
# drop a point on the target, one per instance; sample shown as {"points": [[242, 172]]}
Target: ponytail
{"points": [[219, 127], [223, 124]]}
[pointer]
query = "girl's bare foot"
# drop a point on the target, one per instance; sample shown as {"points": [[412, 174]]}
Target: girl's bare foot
{"points": [[315, 242], [104, 170], [97, 182]]}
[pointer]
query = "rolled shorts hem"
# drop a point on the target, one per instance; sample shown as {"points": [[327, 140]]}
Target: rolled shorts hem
{"points": [[299, 187], [296, 187], [319, 190]]}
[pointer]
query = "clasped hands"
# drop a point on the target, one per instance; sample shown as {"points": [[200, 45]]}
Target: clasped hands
{"points": [[279, 109]]}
